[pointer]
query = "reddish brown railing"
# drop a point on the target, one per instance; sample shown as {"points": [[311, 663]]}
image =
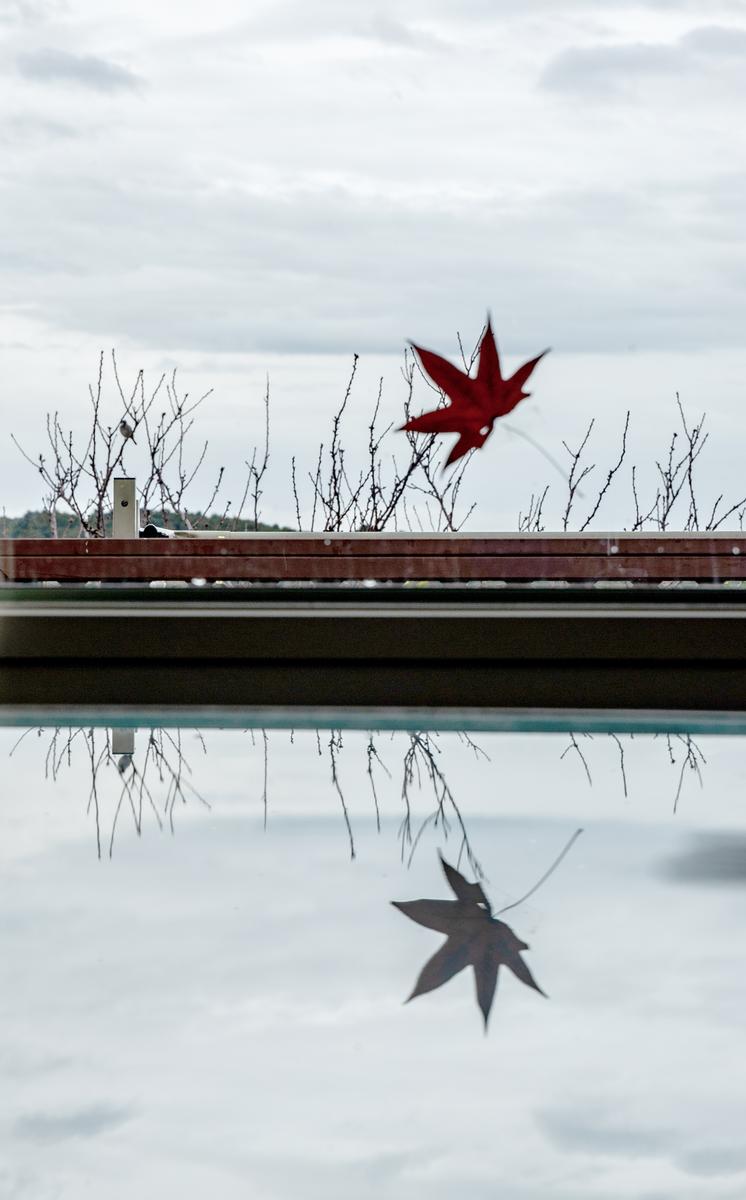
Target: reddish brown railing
{"points": [[518, 558]]}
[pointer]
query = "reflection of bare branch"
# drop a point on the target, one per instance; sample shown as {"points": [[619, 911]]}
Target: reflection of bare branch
{"points": [[373, 755], [53, 760], [335, 745], [162, 761], [265, 748], [621, 762], [478, 751], [178, 785], [95, 761], [18, 741], [574, 746], [420, 760], [692, 758], [163, 756], [136, 816]]}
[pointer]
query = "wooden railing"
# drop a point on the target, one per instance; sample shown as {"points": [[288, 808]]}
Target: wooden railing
{"points": [[511, 558]]}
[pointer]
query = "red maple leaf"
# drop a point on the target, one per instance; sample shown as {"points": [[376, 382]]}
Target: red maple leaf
{"points": [[476, 402]]}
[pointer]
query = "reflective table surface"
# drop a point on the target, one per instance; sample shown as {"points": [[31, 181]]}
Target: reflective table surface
{"points": [[204, 977]]}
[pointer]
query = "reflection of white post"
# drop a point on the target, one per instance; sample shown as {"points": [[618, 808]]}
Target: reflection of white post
{"points": [[123, 741], [125, 521]]}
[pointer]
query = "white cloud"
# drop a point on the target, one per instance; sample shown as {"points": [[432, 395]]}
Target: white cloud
{"points": [[320, 268], [29, 12], [596, 1128], [84, 70], [714, 41], [618, 68], [319, 179], [45, 1127], [25, 129]]}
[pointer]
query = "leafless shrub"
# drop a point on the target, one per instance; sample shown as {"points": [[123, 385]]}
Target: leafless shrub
{"points": [[383, 492], [675, 497], [361, 489], [77, 470], [579, 471], [532, 521], [256, 470], [673, 501], [387, 491]]}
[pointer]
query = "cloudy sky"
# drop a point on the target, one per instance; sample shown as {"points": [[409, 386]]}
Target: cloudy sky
{"points": [[250, 188], [221, 1010]]}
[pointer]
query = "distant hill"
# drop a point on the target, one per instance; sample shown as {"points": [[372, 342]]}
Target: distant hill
{"points": [[36, 524]]}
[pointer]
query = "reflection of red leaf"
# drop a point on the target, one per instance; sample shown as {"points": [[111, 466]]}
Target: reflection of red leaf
{"points": [[461, 888], [475, 403], [474, 938]]}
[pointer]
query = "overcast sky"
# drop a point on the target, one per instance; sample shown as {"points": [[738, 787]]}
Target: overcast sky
{"points": [[220, 1011], [245, 187]]}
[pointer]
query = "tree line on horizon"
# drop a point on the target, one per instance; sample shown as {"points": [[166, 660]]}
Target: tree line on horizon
{"points": [[35, 524]]}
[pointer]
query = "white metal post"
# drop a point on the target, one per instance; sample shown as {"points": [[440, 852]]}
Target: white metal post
{"points": [[123, 741], [125, 517]]}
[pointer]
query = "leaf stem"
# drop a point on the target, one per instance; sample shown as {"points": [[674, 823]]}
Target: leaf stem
{"points": [[545, 876], [538, 446]]}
